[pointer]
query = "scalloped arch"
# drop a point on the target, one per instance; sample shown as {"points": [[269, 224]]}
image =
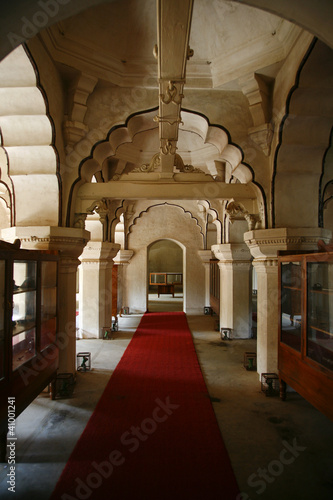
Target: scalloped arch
{"points": [[186, 212], [192, 122]]}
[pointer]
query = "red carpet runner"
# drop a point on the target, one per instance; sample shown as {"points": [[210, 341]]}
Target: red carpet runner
{"points": [[153, 434]]}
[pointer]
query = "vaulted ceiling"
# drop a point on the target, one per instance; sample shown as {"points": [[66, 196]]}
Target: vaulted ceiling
{"points": [[122, 45], [115, 42]]}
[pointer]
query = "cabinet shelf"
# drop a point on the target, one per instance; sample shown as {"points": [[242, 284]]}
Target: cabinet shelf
{"points": [[292, 288], [23, 290], [321, 330], [322, 291], [28, 325]]}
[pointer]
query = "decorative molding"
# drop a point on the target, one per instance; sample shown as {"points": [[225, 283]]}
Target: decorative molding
{"points": [[265, 243], [172, 94], [168, 146], [230, 253], [153, 165], [181, 167], [79, 220], [177, 121]]}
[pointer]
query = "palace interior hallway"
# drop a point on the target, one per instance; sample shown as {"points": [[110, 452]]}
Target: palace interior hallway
{"points": [[178, 145]]}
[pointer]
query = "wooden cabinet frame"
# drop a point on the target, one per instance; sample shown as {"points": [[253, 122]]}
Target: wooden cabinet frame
{"points": [[165, 282], [24, 379], [310, 375]]}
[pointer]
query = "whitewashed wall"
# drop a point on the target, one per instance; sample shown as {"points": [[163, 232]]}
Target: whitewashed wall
{"points": [[166, 222]]}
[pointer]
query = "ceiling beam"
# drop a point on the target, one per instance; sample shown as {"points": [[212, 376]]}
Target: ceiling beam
{"points": [[90, 192], [173, 32]]}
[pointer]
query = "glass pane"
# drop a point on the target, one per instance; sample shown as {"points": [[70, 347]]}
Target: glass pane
{"points": [[291, 319], [320, 313], [158, 278], [2, 317], [48, 304], [174, 278], [23, 347], [24, 275], [24, 310]]}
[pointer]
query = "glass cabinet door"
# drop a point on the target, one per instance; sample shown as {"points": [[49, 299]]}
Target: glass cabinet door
{"points": [[24, 311], [320, 313], [2, 318], [48, 303], [291, 303]]}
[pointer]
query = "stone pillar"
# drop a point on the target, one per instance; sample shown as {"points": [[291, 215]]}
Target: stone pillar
{"points": [[235, 292], [205, 256], [95, 278], [69, 242], [264, 245], [122, 260]]}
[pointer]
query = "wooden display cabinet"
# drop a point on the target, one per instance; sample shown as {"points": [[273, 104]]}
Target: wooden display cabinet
{"points": [[306, 327], [214, 286], [166, 282], [29, 355]]}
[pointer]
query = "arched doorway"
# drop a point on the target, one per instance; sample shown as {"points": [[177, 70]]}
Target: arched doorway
{"points": [[165, 263]]}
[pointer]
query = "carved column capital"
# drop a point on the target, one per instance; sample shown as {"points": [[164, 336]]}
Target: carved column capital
{"points": [[264, 244], [123, 257], [230, 253], [97, 252], [68, 241]]}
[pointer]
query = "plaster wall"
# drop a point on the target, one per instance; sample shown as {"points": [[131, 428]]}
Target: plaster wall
{"points": [[165, 255], [166, 222], [27, 137]]}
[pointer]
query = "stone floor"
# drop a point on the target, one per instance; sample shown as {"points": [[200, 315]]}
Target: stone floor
{"points": [[279, 450]]}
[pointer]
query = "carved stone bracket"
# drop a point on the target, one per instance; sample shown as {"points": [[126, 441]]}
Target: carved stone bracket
{"points": [[79, 220], [101, 207], [236, 211], [74, 127], [262, 136], [172, 93], [153, 165], [258, 91], [181, 167]]}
